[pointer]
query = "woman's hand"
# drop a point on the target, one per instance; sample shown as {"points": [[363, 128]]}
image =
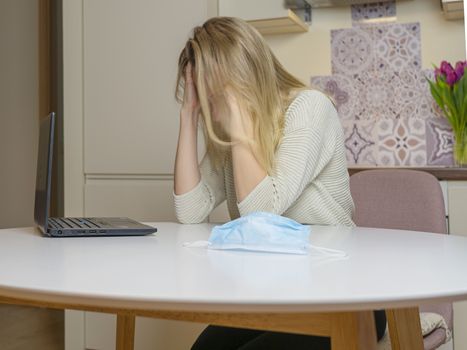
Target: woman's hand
{"points": [[190, 106], [186, 172]]}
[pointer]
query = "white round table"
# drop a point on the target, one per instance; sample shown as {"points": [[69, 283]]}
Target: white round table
{"points": [[157, 276]]}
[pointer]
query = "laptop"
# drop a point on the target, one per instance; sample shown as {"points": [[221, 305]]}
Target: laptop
{"points": [[71, 227]]}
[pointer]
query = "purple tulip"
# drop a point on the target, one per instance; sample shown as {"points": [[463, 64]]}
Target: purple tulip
{"points": [[460, 66], [446, 72], [451, 78], [446, 68]]}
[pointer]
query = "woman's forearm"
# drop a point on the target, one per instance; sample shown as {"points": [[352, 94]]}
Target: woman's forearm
{"points": [[187, 174], [248, 173]]}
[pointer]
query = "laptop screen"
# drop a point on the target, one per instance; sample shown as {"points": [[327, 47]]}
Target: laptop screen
{"points": [[44, 171]]}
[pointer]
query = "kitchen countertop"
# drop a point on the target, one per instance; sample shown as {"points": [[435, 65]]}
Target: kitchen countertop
{"points": [[442, 173]]}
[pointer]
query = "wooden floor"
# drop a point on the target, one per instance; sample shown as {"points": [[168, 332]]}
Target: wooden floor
{"points": [[25, 328]]}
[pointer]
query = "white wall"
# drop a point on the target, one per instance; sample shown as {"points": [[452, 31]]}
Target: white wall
{"points": [[19, 105]]}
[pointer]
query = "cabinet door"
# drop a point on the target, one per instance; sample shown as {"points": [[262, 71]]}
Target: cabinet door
{"points": [[100, 330], [457, 194], [143, 198], [121, 128], [150, 334], [130, 62]]}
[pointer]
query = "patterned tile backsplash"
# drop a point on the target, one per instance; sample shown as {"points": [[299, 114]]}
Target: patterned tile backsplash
{"points": [[439, 142], [381, 93], [369, 12]]}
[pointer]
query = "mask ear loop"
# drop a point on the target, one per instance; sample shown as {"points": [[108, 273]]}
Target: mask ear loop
{"points": [[326, 251], [330, 252]]}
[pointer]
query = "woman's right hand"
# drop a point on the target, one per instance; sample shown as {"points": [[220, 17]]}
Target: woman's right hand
{"points": [[187, 174], [190, 106]]}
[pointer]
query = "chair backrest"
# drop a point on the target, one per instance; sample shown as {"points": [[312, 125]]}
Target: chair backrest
{"points": [[406, 200], [398, 199]]}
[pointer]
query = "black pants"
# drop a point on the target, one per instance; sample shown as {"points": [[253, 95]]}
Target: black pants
{"points": [[226, 338]]}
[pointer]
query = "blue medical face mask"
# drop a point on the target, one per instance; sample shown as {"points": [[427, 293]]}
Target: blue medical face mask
{"points": [[263, 232]]}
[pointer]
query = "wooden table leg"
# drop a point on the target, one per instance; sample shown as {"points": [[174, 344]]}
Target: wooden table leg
{"points": [[125, 331], [404, 329], [353, 331]]}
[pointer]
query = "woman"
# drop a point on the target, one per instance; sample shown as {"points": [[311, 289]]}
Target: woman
{"points": [[272, 145]]}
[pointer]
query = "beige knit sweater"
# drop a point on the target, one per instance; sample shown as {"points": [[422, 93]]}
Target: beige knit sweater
{"points": [[310, 183]]}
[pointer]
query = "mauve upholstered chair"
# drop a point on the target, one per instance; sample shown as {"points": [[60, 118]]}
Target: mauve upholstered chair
{"points": [[407, 200]]}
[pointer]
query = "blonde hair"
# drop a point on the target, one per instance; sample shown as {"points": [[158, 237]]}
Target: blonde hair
{"points": [[227, 51]]}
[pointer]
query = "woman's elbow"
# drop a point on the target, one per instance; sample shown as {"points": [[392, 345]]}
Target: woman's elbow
{"points": [[183, 219], [192, 216]]}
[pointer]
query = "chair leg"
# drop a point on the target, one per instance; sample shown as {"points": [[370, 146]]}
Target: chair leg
{"points": [[125, 332], [404, 329], [353, 331]]}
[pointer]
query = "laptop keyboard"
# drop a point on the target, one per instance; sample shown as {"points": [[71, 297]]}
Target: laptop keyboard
{"points": [[72, 223]]}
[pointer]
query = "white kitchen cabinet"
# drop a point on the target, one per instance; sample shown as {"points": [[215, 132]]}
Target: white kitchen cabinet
{"points": [[457, 199], [120, 132], [150, 334]]}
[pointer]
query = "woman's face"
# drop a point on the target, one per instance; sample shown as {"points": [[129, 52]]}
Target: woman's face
{"points": [[218, 105], [212, 99]]}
